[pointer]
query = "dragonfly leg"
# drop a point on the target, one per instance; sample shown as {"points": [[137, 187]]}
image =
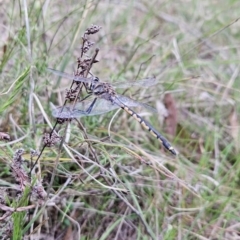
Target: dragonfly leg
{"points": [[91, 106], [85, 97]]}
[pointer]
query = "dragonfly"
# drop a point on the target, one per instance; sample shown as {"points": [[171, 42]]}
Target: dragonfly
{"points": [[106, 99]]}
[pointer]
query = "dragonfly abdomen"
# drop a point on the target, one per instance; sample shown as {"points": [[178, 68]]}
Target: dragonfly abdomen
{"points": [[147, 126]]}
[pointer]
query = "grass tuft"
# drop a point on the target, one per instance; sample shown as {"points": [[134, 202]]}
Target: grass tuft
{"points": [[104, 176]]}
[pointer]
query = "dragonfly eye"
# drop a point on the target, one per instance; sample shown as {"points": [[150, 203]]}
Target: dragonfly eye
{"points": [[95, 79]]}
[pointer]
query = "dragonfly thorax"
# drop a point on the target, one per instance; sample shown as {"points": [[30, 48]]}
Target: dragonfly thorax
{"points": [[104, 90]]}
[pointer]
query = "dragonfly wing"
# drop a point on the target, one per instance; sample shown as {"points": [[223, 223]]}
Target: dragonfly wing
{"points": [[100, 107], [67, 112], [69, 76], [132, 103], [147, 82]]}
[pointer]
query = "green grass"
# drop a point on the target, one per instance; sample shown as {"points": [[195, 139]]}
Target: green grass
{"points": [[125, 186]]}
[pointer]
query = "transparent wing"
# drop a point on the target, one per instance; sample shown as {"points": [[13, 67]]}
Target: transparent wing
{"points": [[103, 106], [147, 82], [132, 103], [100, 107], [69, 76], [67, 112]]}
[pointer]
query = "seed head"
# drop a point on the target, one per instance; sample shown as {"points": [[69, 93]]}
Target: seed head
{"points": [[93, 29]]}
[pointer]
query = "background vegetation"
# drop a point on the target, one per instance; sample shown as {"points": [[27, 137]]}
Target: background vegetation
{"points": [[114, 180]]}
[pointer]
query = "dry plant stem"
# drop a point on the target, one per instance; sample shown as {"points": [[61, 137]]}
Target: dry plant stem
{"points": [[75, 101], [44, 146], [72, 220], [62, 141], [56, 162], [31, 228], [89, 144], [17, 209], [54, 173], [84, 41], [92, 61], [55, 33], [61, 189], [135, 211], [56, 123], [130, 206], [37, 229], [142, 64], [5, 215], [80, 88], [40, 154], [121, 224], [85, 75]]}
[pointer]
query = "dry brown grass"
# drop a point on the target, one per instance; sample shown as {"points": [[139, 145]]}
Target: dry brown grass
{"points": [[125, 186]]}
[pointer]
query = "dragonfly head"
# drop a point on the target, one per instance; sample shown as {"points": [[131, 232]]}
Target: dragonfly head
{"points": [[95, 81]]}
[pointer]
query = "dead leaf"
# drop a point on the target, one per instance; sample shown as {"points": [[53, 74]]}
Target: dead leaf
{"points": [[234, 128], [171, 118], [69, 234]]}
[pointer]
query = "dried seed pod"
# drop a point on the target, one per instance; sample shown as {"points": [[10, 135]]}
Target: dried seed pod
{"points": [[18, 170], [17, 158], [34, 153], [50, 141], [71, 94], [83, 64], [93, 29], [38, 192], [87, 45]]}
